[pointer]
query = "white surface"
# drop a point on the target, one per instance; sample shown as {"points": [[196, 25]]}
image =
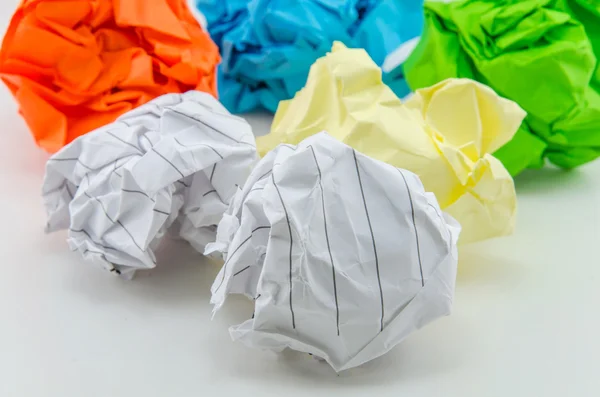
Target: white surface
{"points": [[526, 316]]}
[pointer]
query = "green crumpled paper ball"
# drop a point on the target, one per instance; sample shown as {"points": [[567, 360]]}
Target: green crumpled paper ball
{"points": [[542, 54]]}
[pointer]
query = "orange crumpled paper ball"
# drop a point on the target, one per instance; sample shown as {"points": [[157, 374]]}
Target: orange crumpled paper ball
{"points": [[75, 65]]}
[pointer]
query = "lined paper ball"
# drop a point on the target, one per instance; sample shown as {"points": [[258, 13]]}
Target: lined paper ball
{"points": [[343, 255], [171, 164]]}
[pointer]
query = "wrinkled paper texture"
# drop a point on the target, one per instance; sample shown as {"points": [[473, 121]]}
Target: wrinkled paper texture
{"points": [[444, 134], [174, 162], [538, 53], [268, 45], [77, 65], [343, 255]]}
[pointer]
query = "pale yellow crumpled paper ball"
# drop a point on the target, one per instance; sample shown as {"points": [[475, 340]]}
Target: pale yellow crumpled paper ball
{"points": [[444, 134]]}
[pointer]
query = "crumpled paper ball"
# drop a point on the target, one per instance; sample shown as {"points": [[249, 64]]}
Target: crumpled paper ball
{"points": [[534, 52], [76, 65], [171, 164], [343, 255], [269, 45], [444, 134]]}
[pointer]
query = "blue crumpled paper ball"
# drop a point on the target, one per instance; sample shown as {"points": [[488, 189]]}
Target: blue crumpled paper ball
{"points": [[268, 46]]}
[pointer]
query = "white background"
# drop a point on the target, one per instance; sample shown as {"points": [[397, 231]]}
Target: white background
{"points": [[526, 318]]}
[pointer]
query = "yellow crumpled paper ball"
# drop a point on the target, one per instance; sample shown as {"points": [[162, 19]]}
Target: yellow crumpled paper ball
{"points": [[444, 134]]}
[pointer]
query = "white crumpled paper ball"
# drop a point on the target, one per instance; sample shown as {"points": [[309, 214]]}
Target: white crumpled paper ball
{"points": [[174, 162], [344, 255]]}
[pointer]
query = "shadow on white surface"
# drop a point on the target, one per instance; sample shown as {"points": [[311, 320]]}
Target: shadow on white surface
{"points": [[551, 179], [409, 361], [479, 264], [181, 276], [260, 122]]}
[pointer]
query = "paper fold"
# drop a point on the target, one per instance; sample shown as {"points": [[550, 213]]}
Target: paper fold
{"points": [[171, 164], [343, 255], [542, 54], [444, 134], [74, 66], [268, 46]]}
